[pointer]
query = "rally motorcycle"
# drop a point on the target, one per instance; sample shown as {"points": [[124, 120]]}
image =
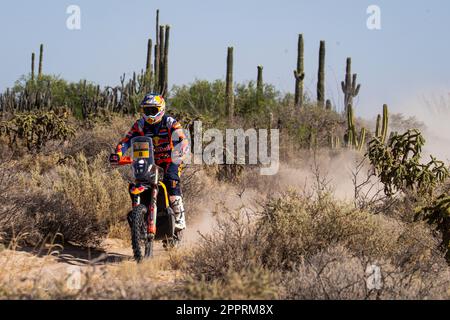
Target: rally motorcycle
{"points": [[152, 219]]}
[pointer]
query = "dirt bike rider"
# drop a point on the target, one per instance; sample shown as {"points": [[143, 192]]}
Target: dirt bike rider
{"points": [[170, 146]]}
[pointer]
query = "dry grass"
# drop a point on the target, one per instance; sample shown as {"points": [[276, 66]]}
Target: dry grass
{"points": [[93, 188], [337, 273], [252, 284], [83, 200], [323, 248]]}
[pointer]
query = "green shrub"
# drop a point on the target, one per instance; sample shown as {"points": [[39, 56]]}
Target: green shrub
{"points": [[36, 129], [438, 215], [398, 164]]}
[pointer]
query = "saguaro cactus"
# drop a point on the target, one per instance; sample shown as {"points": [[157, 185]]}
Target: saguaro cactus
{"points": [[361, 140], [352, 139], [321, 76], [350, 127], [259, 86], [349, 86], [335, 142], [378, 127], [161, 57], [165, 70], [32, 66], [149, 55], [147, 77], [41, 58], [157, 51], [382, 125], [385, 123], [299, 74], [157, 25], [229, 94]]}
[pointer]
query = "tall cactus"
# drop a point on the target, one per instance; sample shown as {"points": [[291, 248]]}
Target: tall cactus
{"points": [[157, 25], [259, 86], [385, 123], [321, 76], [229, 95], [349, 86], [334, 141], [350, 135], [361, 140], [299, 74], [382, 125], [157, 52], [149, 55], [161, 58], [147, 77], [165, 69], [32, 66], [41, 58], [378, 127], [352, 139]]}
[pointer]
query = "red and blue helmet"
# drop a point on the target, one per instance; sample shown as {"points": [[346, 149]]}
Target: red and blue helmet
{"points": [[153, 108]]}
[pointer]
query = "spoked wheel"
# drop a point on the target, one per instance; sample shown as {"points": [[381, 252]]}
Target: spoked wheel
{"points": [[141, 242]]}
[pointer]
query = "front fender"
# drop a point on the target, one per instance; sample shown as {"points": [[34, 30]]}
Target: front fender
{"points": [[136, 189]]}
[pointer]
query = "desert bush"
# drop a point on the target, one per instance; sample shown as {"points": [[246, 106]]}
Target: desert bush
{"points": [[234, 246], [35, 130], [94, 189], [398, 164], [248, 104], [438, 215], [8, 209], [82, 200], [295, 236], [337, 273], [306, 128], [304, 227], [207, 99], [101, 136], [200, 97]]}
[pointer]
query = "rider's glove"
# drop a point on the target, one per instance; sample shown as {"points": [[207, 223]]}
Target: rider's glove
{"points": [[114, 158]]}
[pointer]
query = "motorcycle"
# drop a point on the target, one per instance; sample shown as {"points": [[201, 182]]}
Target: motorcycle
{"points": [[151, 219]]}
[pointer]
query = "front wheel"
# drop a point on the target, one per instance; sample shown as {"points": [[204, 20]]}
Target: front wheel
{"points": [[139, 236]]}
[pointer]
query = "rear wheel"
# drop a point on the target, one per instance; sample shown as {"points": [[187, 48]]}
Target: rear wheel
{"points": [[141, 242]]}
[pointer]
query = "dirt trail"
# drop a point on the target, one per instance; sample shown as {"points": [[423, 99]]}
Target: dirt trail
{"points": [[55, 265]]}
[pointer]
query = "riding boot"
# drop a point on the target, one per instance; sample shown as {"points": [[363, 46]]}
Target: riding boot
{"points": [[176, 203]]}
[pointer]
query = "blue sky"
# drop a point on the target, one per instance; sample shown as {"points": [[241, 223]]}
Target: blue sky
{"points": [[409, 56]]}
